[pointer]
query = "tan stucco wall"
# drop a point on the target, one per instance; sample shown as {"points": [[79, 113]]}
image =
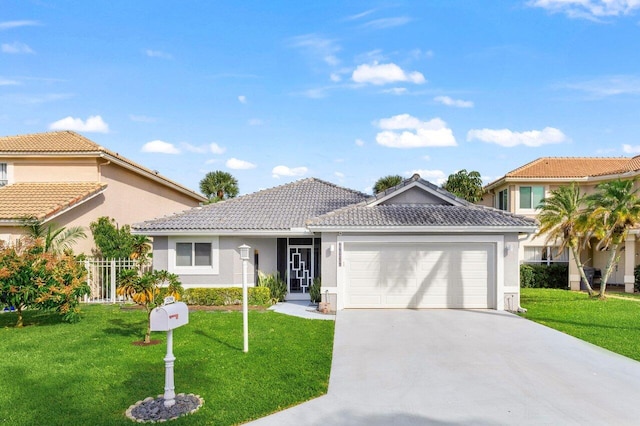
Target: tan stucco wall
{"points": [[51, 170]]}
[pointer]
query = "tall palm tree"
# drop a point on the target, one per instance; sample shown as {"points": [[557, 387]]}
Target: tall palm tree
{"points": [[216, 185], [613, 210], [562, 220], [386, 182], [54, 239]]}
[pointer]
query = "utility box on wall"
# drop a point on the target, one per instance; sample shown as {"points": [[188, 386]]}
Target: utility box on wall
{"points": [[168, 317]]}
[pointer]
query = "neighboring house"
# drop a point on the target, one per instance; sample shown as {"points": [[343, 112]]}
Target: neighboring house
{"points": [[522, 189], [412, 246], [66, 179]]}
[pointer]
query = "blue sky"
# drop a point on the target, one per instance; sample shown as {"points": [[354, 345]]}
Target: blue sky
{"points": [[275, 91]]}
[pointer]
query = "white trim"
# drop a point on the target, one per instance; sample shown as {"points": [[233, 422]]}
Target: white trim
{"points": [[225, 233], [214, 269]]}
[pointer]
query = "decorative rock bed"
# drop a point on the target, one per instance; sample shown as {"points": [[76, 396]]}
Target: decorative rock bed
{"points": [[152, 410]]}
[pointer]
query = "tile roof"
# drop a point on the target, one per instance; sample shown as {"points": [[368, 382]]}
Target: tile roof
{"points": [[420, 215], [42, 200], [280, 208], [574, 167], [68, 142]]}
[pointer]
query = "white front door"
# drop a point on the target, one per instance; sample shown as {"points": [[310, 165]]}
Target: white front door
{"points": [[300, 272]]}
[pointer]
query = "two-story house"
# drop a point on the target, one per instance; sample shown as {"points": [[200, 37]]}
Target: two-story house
{"points": [[522, 189], [66, 179]]}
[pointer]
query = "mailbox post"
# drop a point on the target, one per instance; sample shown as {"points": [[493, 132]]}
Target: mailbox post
{"points": [[165, 318]]}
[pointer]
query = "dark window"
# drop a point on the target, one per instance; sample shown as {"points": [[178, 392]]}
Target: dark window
{"points": [[193, 254]]}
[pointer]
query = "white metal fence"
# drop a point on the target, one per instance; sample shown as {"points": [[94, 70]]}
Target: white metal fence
{"points": [[101, 277]]}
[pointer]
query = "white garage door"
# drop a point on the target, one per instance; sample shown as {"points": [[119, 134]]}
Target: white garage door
{"points": [[419, 275]]}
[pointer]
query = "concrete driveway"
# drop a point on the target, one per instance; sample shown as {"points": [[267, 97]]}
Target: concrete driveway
{"points": [[444, 367]]}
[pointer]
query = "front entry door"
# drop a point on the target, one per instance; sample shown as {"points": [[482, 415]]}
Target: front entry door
{"points": [[300, 272]]}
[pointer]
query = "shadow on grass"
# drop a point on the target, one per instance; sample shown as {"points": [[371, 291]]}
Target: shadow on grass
{"points": [[551, 321], [30, 318], [126, 328], [215, 339]]}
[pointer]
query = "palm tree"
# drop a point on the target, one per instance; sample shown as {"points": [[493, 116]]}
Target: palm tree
{"points": [[386, 182], [216, 185], [141, 246], [148, 290], [613, 210], [562, 220], [55, 240]]}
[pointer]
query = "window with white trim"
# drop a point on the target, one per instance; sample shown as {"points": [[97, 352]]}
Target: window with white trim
{"points": [[4, 175], [547, 255], [531, 196], [502, 201], [193, 255]]}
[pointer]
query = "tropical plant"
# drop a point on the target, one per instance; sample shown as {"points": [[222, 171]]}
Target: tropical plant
{"points": [[612, 211], [54, 239], [276, 285], [563, 221], [31, 278], [387, 182], [467, 185], [314, 290], [148, 290], [140, 249], [218, 185], [112, 241]]}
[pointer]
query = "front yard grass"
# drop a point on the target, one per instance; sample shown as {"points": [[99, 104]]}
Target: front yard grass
{"points": [[613, 324], [89, 373]]}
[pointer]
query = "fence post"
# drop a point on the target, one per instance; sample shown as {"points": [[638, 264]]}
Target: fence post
{"points": [[113, 281]]}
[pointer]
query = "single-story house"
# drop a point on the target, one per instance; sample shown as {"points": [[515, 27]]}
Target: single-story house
{"points": [[412, 246]]}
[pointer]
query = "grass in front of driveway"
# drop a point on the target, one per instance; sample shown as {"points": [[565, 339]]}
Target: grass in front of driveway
{"points": [[89, 373], [613, 324]]}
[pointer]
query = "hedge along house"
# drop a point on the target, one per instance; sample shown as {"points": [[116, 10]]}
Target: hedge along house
{"points": [[413, 246]]}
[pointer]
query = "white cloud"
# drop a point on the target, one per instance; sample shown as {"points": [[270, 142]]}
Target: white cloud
{"points": [[256, 122], [396, 90], [335, 77], [160, 147], [93, 124], [608, 85], [212, 161], [318, 47], [142, 118], [436, 176], [631, 149], [157, 54], [588, 9], [216, 149], [202, 149], [382, 23], [380, 74], [235, 164], [459, 103], [416, 133], [15, 48], [339, 175], [242, 99], [279, 171], [508, 138], [426, 157], [359, 142], [7, 82], [7, 25]]}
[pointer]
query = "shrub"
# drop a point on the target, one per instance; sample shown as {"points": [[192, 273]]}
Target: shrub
{"points": [[314, 290], [543, 276], [636, 274], [224, 296], [275, 284]]}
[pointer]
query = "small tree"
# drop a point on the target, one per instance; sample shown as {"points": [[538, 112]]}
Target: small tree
{"points": [[54, 239], [148, 290], [35, 279], [112, 241], [386, 182], [467, 185]]}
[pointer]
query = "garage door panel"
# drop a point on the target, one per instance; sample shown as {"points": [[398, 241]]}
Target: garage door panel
{"points": [[427, 275]]}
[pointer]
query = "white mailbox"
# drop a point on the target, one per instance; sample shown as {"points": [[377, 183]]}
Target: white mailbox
{"points": [[168, 317]]}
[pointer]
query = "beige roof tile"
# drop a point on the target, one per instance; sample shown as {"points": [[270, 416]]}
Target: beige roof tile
{"points": [[42, 200]]}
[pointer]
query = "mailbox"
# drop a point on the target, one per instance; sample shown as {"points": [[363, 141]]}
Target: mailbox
{"points": [[168, 317]]}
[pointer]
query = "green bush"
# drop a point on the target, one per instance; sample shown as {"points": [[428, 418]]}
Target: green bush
{"points": [[636, 274], [276, 286], [543, 276], [224, 296], [314, 290]]}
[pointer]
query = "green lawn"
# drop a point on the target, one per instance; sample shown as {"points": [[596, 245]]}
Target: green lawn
{"points": [[613, 324], [89, 373]]}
